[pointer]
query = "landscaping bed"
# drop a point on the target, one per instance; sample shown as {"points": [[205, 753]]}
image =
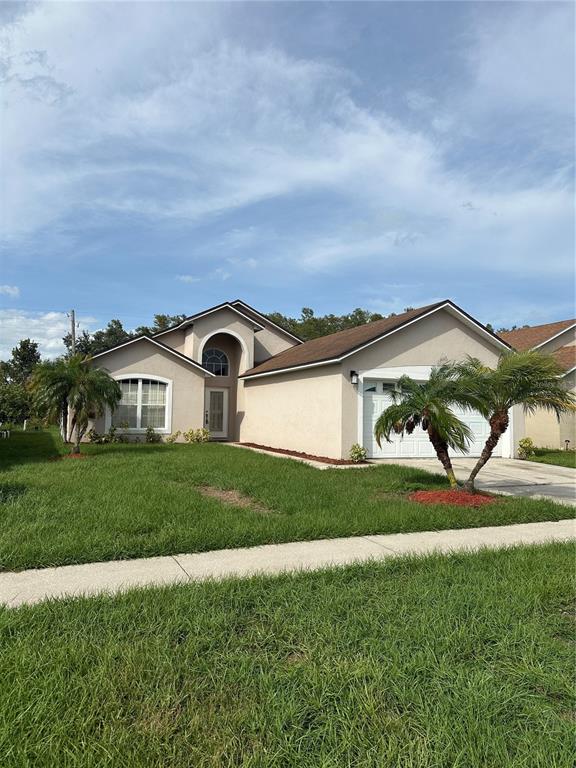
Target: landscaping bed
{"points": [[307, 456], [141, 500], [438, 662], [456, 497]]}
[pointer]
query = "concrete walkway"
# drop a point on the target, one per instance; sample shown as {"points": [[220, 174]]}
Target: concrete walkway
{"points": [[508, 476], [19, 588]]}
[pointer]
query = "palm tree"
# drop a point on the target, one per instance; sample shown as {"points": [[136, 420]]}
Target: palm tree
{"points": [[72, 385], [427, 405], [528, 378]]}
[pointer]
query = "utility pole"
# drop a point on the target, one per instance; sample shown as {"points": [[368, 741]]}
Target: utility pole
{"points": [[73, 330]]}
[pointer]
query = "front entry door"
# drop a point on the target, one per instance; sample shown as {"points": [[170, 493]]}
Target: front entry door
{"points": [[216, 416]]}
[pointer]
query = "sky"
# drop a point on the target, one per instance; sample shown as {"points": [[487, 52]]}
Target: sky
{"points": [[165, 157]]}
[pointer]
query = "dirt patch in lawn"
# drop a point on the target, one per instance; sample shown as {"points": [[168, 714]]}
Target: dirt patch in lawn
{"points": [[70, 456], [455, 498], [234, 499]]}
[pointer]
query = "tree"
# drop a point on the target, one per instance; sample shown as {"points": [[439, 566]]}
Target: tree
{"points": [[427, 405], [15, 403], [309, 326], [72, 384], [25, 357], [529, 378]]}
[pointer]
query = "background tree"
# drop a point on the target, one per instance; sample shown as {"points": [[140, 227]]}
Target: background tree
{"points": [[530, 379], [15, 373], [309, 326], [71, 385], [426, 405]]}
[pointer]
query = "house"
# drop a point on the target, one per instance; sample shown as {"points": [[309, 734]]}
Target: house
{"points": [[558, 339], [231, 369]]}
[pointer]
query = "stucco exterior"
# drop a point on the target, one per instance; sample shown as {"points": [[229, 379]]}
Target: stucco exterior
{"points": [[314, 409], [300, 411], [187, 382], [547, 431]]}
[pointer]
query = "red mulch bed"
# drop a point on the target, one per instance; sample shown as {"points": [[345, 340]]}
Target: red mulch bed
{"points": [[309, 456], [456, 498]]}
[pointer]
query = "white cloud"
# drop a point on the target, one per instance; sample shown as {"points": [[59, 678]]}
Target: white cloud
{"points": [[230, 127], [46, 328], [10, 290], [187, 279]]}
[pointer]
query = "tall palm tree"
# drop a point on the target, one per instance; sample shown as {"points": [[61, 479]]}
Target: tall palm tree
{"points": [[72, 386], [427, 405], [528, 378]]}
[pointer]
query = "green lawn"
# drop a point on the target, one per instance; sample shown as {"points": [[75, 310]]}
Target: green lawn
{"points": [[560, 458], [127, 501], [464, 661]]}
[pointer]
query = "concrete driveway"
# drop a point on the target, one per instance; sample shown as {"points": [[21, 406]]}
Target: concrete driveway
{"points": [[510, 476]]}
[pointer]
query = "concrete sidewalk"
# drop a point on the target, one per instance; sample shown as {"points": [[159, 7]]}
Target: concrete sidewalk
{"points": [[24, 587]]}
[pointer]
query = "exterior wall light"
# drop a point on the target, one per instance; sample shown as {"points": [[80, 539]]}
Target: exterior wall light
{"points": [[354, 378]]}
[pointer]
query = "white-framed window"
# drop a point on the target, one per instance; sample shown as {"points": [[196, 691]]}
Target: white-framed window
{"points": [[146, 402], [216, 361]]}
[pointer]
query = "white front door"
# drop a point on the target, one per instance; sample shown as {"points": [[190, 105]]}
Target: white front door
{"points": [[216, 415], [417, 445]]}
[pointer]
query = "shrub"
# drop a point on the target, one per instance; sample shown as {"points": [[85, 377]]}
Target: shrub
{"points": [[526, 448], [173, 437], [152, 436], [197, 435], [357, 454], [93, 436]]}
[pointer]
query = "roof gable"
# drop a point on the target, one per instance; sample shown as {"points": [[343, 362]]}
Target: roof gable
{"points": [[536, 335], [218, 308], [337, 346], [163, 347]]}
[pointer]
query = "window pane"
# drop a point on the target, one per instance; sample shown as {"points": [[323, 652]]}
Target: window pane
{"points": [[153, 392], [126, 411], [215, 361], [153, 416]]}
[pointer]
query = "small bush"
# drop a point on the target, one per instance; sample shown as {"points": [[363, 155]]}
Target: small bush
{"points": [[357, 454], [197, 435], [152, 436], [526, 448], [93, 436], [173, 437]]}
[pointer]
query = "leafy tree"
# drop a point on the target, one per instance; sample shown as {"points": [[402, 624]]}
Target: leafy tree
{"points": [[25, 357], [161, 323], [72, 384], [15, 403], [309, 326], [426, 405], [115, 334], [529, 378]]}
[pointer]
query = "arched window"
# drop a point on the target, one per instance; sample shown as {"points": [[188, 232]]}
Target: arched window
{"points": [[216, 362], [144, 404]]}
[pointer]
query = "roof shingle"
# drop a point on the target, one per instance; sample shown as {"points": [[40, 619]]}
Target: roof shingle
{"points": [[527, 338], [335, 345]]}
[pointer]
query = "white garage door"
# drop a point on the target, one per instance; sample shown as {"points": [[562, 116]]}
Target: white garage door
{"points": [[377, 399]]}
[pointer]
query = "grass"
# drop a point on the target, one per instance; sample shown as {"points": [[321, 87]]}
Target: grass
{"points": [[559, 458], [128, 501], [440, 662]]}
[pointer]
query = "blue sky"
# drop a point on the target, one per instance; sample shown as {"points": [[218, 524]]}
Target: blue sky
{"points": [[166, 157]]}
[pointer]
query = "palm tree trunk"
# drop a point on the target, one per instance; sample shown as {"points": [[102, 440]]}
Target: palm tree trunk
{"points": [[498, 425], [441, 448]]}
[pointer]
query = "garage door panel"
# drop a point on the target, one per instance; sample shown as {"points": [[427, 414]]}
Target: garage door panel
{"points": [[416, 445]]}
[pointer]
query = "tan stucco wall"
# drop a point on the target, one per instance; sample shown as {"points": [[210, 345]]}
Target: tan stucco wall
{"points": [[173, 339], [567, 338], [268, 343], [223, 319], [298, 411], [315, 410], [425, 342], [187, 382], [545, 429]]}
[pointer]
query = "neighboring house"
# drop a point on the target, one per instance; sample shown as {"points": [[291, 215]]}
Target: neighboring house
{"points": [[232, 370], [559, 339]]}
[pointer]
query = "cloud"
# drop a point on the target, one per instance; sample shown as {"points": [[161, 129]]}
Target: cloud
{"points": [[216, 128], [46, 328], [10, 290]]}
